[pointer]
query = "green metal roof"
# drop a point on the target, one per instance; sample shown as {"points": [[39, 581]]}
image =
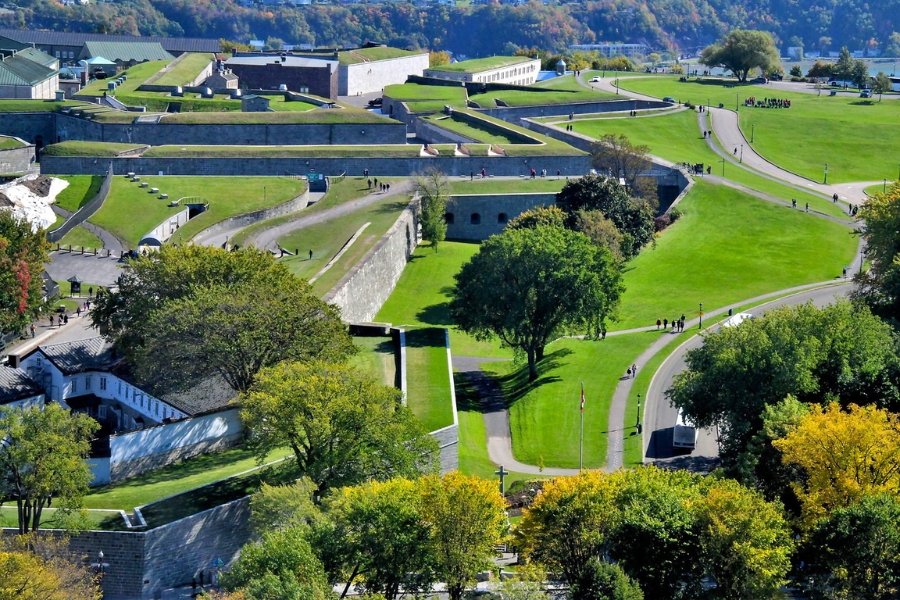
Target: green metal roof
{"points": [[18, 70], [125, 51], [35, 55]]}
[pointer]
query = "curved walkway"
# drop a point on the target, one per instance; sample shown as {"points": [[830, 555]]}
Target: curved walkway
{"points": [[110, 242], [268, 238]]}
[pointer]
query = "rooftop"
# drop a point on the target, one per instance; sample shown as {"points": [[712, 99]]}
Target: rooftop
{"points": [[285, 61], [363, 55], [18, 70], [92, 354], [206, 396], [477, 65], [16, 385], [126, 51], [57, 38]]}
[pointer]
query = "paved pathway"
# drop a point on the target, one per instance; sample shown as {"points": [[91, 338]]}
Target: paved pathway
{"points": [[110, 242], [99, 270], [268, 238]]}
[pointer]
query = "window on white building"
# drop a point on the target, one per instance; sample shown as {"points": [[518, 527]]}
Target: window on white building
{"points": [[103, 383], [74, 385], [38, 363], [87, 382]]}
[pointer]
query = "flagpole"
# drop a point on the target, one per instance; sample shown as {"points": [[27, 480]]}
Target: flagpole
{"points": [[581, 435]]}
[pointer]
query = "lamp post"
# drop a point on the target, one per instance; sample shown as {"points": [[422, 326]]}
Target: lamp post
{"points": [[700, 326], [723, 167], [638, 418], [100, 566], [741, 160], [826, 173], [752, 132], [884, 186], [736, 96]]}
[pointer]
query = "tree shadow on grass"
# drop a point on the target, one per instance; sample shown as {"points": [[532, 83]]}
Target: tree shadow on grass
{"points": [[428, 337], [516, 385], [436, 314]]}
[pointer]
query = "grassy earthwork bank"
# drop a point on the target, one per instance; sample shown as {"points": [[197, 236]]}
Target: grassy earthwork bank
{"points": [[544, 415], [326, 240], [80, 236], [79, 148], [677, 138], [37, 105], [427, 98], [137, 75], [80, 190], [376, 356], [130, 212], [559, 90], [729, 246], [399, 150], [429, 394], [422, 296], [186, 70], [9, 142], [815, 131]]}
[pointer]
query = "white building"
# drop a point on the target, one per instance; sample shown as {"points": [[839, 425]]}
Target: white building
{"points": [[611, 49], [516, 70], [369, 69]]}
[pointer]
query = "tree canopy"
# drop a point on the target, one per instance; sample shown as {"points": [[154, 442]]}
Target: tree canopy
{"points": [[617, 157], [43, 456], [23, 252], [840, 351], [433, 189], [232, 312], [529, 286], [879, 287], [741, 51], [341, 425]]}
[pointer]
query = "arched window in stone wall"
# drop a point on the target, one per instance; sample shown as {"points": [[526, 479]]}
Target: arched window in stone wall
{"points": [[501, 218], [475, 219], [448, 217]]}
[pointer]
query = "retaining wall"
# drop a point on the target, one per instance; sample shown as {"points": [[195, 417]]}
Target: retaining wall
{"points": [[136, 452], [30, 126], [160, 134], [493, 210], [298, 203], [514, 114], [388, 167], [16, 161], [434, 134], [365, 288], [83, 213]]}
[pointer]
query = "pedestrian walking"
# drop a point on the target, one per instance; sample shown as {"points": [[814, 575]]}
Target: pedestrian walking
{"points": [[376, 182], [634, 370], [629, 372], [32, 329], [66, 319], [51, 320], [310, 254], [370, 184], [90, 292], [835, 197], [793, 203], [665, 323], [807, 207], [735, 151], [78, 310], [658, 323]]}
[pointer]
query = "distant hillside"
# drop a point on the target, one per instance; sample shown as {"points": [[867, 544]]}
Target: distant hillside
{"points": [[487, 29]]}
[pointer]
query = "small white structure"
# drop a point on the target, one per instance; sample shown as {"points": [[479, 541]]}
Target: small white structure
{"points": [[517, 70], [735, 320]]}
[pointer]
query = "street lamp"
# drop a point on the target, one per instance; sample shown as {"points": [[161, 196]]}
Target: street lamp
{"points": [[736, 101], [742, 154], [826, 173], [723, 167], [638, 418], [100, 566], [700, 326], [752, 132]]}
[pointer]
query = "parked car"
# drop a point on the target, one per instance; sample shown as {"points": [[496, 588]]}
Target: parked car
{"points": [[865, 94], [595, 80], [669, 99], [376, 102]]}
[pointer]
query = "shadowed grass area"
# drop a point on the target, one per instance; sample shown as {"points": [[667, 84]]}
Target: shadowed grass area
{"points": [[80, 190], [422, 296], [80, 236], [428, 377], [544, 415], [826, 128], [729, 246], [376, 356]]}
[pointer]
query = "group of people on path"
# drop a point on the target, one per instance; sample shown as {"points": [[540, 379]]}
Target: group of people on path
{"points": [[753, 102], [63, 318], [677, 324]]}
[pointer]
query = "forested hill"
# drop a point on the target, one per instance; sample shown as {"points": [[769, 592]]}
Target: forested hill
{"points": [[487, 29]]}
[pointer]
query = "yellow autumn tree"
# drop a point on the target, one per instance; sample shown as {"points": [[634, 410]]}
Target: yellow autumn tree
{"points": [[846, 455], [26, 576]]}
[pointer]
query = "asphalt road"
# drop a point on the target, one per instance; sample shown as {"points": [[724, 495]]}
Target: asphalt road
{"points": [[659, 416]]}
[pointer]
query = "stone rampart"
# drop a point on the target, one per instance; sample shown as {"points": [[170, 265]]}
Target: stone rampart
{"points": [[298, 203], [388, 167], [31, 127], [365, 288], [435, 134], [161, 134], [16, 161], [92, 206], [479, 216], [514, 114]]}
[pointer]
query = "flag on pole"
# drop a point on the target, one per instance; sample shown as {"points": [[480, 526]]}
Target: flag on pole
{"points": [[582, 397]]}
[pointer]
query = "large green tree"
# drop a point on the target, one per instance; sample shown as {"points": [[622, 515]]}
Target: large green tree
{"points": [[840, 351], [23, 252], [342, 426], [741, 51], [529, 286], [232, 313], [853, 553], [879, 287], [618, 157], [42, 455], [633, 218]]}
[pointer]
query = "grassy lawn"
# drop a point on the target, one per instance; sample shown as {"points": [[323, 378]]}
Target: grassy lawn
{"points": [[36, 105], [80, 236], [137, 75], [80, 190], [428, 377], [130, 212], [326, 239], [562, 90], [505, 186], [677, 138], [399, 150], [477, 65], [9, 142], [422, 296], [544, 416], [175, 479], [818, 124], [427, 98], [545, 146], [339, 191], [376, 356], [473, 456], [97, 520], [878, 189], [729, 246], [479, 134], [77, 148], [186, 70]]}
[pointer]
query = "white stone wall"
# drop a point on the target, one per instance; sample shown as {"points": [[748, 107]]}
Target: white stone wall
{"points": [[371, 77], [524, 73], [167, 228]]}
